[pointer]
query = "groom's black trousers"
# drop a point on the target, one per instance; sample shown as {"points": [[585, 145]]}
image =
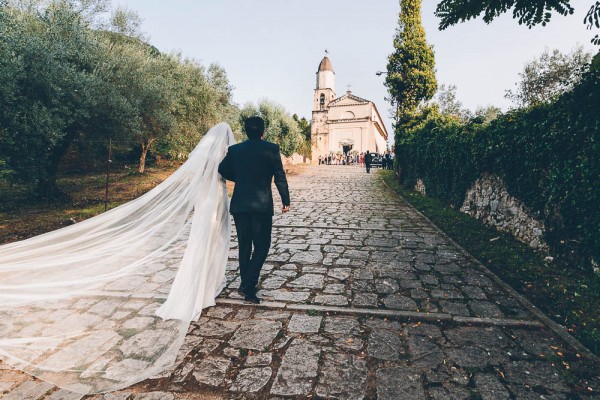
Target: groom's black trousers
{"points": [[253, 229]]}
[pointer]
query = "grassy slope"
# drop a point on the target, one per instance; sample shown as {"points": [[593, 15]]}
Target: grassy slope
{"points": [[569, 297], [21, 217]]}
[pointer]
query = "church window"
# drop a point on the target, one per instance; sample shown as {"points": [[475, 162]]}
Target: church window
{"points": [[322, 99]]}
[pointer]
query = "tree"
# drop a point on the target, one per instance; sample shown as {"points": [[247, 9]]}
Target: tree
{"points": [[449, 104], [305, 148], [65, 85], [126, 22], [545, 78], [202, 98], [88, 11], [487, 114], [280, 127], [53, 97], [411, 68], [528, 12]]}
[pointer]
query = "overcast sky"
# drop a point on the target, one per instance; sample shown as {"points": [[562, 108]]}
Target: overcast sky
{"points": [[272, 48]]}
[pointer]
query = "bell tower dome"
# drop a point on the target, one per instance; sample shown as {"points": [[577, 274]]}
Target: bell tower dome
{"points": [[325, 88]]}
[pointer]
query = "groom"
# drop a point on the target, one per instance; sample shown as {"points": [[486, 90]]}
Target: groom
{"points": [[252, 165]]}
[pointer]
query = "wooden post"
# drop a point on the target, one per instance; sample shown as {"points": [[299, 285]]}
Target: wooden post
{"points": [[108, 173]]}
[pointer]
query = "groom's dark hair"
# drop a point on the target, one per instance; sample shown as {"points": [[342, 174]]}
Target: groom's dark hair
{"points": [[254, 127]]}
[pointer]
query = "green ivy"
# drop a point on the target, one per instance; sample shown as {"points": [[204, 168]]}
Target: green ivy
{"points": [[548, 155]]}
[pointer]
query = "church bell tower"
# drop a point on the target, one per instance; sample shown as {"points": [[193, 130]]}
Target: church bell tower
{"points": [[324, 94], [325, 89]]}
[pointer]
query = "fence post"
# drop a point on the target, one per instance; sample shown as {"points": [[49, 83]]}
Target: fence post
{"points": [[108, 173]]}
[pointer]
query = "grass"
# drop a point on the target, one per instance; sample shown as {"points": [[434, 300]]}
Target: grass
{"points": [[22, 216], [570, 296]]}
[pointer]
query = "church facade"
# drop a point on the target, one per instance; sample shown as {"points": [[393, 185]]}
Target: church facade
{"points": [[344, 124]]}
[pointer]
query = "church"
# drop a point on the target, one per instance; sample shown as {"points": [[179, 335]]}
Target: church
{"points": [[344, 124]]}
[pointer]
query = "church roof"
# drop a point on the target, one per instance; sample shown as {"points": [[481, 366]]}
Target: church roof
{"points": [[325, 65], [348, 99]]}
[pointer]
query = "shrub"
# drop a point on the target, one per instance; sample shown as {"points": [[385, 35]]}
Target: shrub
{"points": [[548, 155]]}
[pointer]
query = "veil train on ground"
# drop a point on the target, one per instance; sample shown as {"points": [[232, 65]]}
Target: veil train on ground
{"points": [[84, 307]]}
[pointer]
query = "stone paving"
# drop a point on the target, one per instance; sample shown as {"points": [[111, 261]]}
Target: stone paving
{"points": [[362, 298]]}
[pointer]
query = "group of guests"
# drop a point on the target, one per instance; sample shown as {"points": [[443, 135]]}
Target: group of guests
{"points": [[363, 159], [342, 159]]}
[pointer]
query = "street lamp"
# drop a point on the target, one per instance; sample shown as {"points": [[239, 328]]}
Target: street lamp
{"points": [[379, 73]]}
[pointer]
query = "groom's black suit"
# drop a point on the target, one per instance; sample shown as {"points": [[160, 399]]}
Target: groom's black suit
{"points": [[252, 165]]}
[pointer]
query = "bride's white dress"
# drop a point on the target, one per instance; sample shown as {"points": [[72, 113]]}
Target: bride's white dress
{"points": [[84, 307]]}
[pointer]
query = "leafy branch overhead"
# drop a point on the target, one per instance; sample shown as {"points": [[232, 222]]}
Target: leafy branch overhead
{"points": [[592, 19], [527, 12]]}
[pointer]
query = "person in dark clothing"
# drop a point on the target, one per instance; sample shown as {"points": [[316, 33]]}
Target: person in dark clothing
{"points": [[252, 165], [368, 161]]}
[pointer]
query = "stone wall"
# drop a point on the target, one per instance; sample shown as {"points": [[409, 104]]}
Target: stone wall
{"points": [[294, 159], [488, 201], [420, 187]]}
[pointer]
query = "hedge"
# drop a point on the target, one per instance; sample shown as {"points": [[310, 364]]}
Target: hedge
{"points": [[548, 155]]}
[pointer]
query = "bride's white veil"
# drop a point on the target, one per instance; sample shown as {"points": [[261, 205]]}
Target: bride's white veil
{"points": [[79, 307]]}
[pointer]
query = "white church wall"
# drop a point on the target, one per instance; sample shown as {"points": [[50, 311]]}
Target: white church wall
{"points": [[359, 111], [353, 132]]}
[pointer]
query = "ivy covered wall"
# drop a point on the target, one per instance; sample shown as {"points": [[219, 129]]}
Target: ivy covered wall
{"points": [[548, 156]]}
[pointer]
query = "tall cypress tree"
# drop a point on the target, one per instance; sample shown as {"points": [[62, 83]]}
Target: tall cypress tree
{"points": [[411, 67]]}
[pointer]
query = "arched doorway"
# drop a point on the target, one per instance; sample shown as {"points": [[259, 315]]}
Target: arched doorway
{"points": [[346, 145]]}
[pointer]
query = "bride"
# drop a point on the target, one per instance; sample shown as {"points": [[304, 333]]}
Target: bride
{"points": [[84, 307]]}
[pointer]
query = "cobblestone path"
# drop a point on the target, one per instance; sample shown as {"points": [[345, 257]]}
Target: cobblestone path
{"points": [[362, 298]]}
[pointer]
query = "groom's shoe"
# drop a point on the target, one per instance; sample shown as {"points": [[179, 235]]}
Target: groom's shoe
{"points": [[251, 298], [243, 291]]}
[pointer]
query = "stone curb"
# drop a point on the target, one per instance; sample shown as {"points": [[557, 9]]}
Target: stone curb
{"points": [[558, 329], [514, 323], [408, 315], [348, 228], [345, 202]]}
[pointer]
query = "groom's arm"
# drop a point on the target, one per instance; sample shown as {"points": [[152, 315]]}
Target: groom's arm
{"points": [[225, 168], [280, 179]]}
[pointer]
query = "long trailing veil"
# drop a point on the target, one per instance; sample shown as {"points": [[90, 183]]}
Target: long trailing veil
{"points": [[82, 307]]}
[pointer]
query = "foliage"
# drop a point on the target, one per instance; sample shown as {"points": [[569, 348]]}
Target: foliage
{"points": [[201, 98], [528, 12], [546, 154], [280, 127], [126, 22], [411, 67], [305, 148], [487, 114], [592, 19], [446, 102], [545, 78], [65, 86], [439, 154], [449, 104], [51, 93]]}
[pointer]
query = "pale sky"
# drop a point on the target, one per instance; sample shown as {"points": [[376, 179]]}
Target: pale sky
{"points": [[272, 48]]}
